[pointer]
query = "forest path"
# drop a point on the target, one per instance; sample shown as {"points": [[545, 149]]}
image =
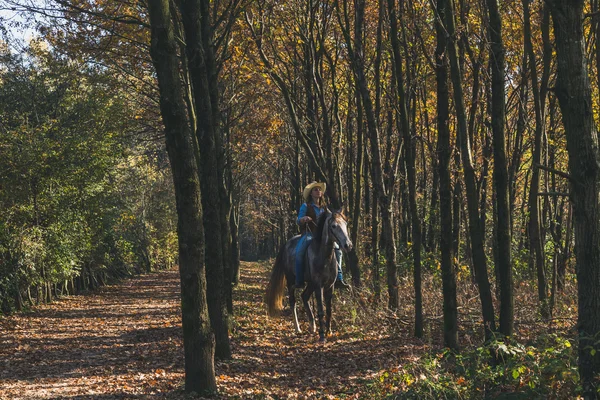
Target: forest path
{"points": [[124, 342]]}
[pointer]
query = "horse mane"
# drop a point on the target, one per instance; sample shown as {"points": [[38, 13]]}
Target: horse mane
{"points": [[320, 225]]}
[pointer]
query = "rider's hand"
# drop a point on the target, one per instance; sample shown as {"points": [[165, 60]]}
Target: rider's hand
{"points": [[306, 219]]}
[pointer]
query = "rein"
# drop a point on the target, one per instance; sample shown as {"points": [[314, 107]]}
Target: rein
{"points": [[337, 239], [330, 231]]}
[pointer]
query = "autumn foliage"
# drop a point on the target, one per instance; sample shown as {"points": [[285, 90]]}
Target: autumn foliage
{"points": [[461, 136]]}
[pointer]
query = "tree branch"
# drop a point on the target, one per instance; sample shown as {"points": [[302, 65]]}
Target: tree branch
{"points": [[554, 171]]}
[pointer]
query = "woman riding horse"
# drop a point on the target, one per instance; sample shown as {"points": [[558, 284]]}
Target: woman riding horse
{"points": [[322, 265], [307, 219]]}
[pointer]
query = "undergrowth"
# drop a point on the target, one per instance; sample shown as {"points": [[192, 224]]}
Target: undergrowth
{"points": [[545, 369], [538, 362]]}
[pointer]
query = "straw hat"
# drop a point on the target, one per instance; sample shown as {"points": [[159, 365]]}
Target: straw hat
{"points": [[310, 187]]}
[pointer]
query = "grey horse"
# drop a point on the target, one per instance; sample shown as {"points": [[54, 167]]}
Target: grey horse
{"points": [[320, 271]]}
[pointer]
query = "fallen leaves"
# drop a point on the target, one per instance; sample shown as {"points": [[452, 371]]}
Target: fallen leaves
{"points": [[124, 341], [111, 342]]}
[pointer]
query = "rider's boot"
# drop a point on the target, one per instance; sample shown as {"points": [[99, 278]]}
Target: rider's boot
{"points": [[339, 282]]}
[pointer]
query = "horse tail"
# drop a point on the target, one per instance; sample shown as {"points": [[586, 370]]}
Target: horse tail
{"points": [[274, 296]]}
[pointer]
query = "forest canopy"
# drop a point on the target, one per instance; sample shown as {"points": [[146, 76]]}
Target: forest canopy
{"points": [[460, 136]]}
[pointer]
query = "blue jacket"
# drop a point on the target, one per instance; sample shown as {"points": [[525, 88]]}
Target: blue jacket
{"points": [[303, 211]]}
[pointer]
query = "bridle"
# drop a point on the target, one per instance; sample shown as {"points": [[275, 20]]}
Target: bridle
{"points": [[330, 231]]}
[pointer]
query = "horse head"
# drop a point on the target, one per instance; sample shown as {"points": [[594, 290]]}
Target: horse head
{"points": [[337, 225]]}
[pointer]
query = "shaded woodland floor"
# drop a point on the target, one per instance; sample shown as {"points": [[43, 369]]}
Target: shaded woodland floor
{"points": [[124, 342]]}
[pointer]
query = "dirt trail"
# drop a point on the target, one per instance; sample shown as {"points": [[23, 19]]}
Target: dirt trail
{"points": [[124, 342]]}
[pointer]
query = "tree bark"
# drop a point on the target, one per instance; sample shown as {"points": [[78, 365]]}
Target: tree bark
{"points": [[384, 193], [430, 237], [206, 131], [234, 220], [535, 236], [445, 189], [503, 234], [476, 235], [409, 153], [517, 146], [574, 96], [375, 247], [353, 263], [457, 200], [198, 339]]}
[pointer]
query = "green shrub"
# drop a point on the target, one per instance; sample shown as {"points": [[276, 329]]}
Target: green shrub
{"points": [[545, 369]]}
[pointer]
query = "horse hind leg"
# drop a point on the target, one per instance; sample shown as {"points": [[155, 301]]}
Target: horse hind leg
{"points": [[292, 297], [309, 314]]}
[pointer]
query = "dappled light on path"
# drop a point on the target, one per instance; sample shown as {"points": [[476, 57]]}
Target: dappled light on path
{"points": [[118, 341], [272, 361], [124, 341]]}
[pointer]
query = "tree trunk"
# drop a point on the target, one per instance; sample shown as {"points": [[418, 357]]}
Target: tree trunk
{"points": [[234, 220], [206, 131], [384, 193], [375, 247], [353, 261], [432, 224], [535, 238], [198, 339], [574, 96], [409, 153], [390, 254], [445, 188], [566, 250], [456, 210], [503, 234], [517, 147], [358, 188], [476, 235], [595, 12]]}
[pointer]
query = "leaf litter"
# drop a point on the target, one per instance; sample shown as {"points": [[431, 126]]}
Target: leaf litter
{"points": [[124, 342]]}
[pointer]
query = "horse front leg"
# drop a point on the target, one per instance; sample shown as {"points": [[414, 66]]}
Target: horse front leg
{"points": [[292, 297], [320, 313], [309, 314], [328, 298]]}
